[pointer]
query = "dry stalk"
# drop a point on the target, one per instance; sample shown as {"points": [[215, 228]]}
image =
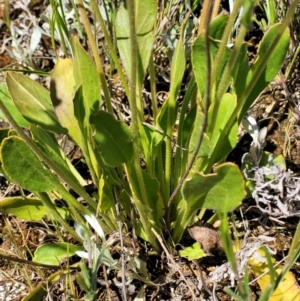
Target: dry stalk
{"points": [[171, 259], [203, 281], [122, 255], [106, 283]]}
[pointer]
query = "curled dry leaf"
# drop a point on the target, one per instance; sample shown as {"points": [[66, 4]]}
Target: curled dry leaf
{"points": [[208, 237]]}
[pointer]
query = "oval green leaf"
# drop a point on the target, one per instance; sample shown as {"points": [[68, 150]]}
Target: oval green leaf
{"points": [[113, 138], [51, 253], [223, 190], [24, 168], [29, 209], [193, 252]]}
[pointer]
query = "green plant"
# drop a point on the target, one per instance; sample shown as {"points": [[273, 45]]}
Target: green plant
{"points": [[100, 253], [275, 280], [270, 9], [161, 179]]}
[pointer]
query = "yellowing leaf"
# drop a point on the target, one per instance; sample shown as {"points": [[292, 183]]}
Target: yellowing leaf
{"points": [[288, 289]]}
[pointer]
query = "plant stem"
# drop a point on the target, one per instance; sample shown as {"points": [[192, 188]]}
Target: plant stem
{"points": [[94, 48], [226, 77], [229, 66], [204, 16], [188, 100], [251, 85], [216, 9], [177, 72], [37, 264], [168, 155], [159, 160], [110, 45], [136, 177], [57, 18], [153, 88], [224, 40], [205, 111]]}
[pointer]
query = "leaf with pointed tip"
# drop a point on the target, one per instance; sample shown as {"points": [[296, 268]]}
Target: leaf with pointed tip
{"points": [[11, 107], [162, 117], [33, 102], [41, 290], [145, 19], [199, 62], [141, 295], [274, 62], [62, 92], [169, 112], [86, 75]]}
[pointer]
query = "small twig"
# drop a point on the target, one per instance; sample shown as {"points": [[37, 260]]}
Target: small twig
{"points": [[171, 259], [122, 255], [132, 218], [214, 291], [202, 278], [48, 290], [267, 271], [289, 97], [106, 283]]}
